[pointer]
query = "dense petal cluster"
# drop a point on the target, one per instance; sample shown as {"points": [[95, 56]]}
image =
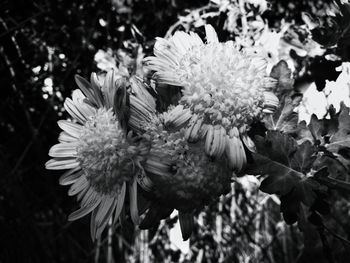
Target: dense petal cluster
{"points": [[184, 177], [225, 88], [105, 154]]}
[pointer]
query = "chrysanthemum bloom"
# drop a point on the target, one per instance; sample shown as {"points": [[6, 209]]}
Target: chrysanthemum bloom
{"points": [[179, 175], [102, 159], [182, 174], [224, 87]]}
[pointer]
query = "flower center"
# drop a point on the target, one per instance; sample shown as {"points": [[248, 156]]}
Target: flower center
{"points": [[223, 84], [105, 154]]}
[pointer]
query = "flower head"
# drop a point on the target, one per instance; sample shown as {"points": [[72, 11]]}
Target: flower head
{"points": [[102, 159], [184, 177], [225, 88]]}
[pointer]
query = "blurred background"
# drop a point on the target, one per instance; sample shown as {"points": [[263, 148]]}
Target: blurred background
{"points": [[44, 43]]}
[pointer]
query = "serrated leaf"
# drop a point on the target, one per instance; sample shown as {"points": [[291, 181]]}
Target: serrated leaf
{"points": [[285, 165], [335, 168], [284, 119], [304, 158], [281, 182], [323, 177], [305, 190], [282, 73], [276, 146], [322, 69], [304, 133], [316, 127], [282, 161], [341, 137]]}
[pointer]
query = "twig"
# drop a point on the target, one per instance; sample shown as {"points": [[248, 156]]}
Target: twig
{"points": [[344, 240], [19, 25]]}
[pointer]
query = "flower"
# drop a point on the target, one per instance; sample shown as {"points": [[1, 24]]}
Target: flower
{"points": [[178, 174], [101, 158], [225, 89], [182, 175]]}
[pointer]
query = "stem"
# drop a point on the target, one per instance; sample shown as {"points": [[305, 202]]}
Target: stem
{"points": [[109, 242], [219, 228], [144, 253], [97, 252]]}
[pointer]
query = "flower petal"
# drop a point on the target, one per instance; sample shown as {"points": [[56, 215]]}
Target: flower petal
{"points": [[212, 37], [79, 185], [157, 167], [87, 90], [61, 163], [71, 128], [120, 202], [249, 143], [219, 141], [134, 211], [92, 201], [140, 91], [71, 108], [177, 117], [271, 101], [95, 85], [70, 176], [235, 150], [64, 137], [209, 139], [63, 150], [104, 214]]}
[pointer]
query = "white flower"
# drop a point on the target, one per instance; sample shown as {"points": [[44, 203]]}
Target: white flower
{"points": [[178, 173], [225, 89], [100, 157], [182, 175]]}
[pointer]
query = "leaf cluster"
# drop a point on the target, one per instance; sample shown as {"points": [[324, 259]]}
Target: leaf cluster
{"points": [[301, 162]]}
